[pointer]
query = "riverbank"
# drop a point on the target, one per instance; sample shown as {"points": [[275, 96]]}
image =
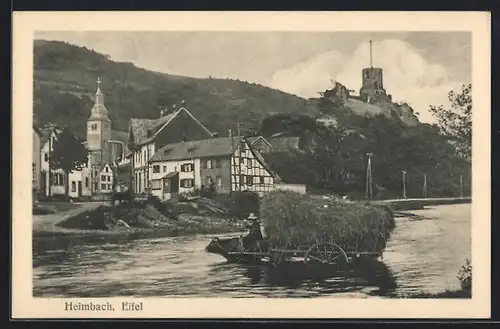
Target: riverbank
{"points": [[102, 223], [417, 204]]}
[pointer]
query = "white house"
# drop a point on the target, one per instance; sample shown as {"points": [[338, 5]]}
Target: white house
{"points": [[223, 162], [55, 185], [146, 136]]}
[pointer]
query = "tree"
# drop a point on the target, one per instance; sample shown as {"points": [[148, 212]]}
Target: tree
{"points": [[455, 122], [68, 154]]}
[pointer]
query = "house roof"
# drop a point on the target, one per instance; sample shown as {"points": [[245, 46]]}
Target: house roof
{"points": [[220, 146], [145, 130], [170, 174], [46, 131]]}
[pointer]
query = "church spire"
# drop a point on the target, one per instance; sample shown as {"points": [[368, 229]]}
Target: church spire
{"points": [[99, 96], [99, 111]]}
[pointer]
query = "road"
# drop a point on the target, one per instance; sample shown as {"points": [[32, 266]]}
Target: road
{"points": [[48, 222]]}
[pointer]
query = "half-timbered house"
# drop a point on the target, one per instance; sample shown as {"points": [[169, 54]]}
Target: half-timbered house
{"points": [[223, 163]]}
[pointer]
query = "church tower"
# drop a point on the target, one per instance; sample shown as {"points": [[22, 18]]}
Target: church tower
{"points": [[372, 87], [98, 135]]}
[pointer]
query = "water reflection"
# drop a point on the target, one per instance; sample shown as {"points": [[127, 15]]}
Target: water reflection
{"points": [[373, 276]]}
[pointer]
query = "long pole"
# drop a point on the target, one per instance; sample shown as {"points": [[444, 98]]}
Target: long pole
{"points": [[461, 186], [424, 189], [371, 58], [369, 189], [404, 183]]}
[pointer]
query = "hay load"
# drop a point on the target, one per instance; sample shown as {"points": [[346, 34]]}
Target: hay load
{"points": [[296, 221]]}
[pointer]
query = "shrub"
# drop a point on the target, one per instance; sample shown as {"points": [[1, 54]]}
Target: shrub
{"points": [[292, 220], [465, 276]]}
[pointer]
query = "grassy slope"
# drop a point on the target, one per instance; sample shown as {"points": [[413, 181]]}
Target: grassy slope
{"points": [[65, 81]]}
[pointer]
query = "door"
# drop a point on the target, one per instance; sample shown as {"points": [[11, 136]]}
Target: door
{"points": [[79, 188]]}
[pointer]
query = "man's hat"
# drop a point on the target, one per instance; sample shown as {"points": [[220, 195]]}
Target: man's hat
{"points": [[252, 216]]}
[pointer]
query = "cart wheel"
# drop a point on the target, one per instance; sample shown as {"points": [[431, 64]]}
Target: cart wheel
{"points": [[326, 253]]}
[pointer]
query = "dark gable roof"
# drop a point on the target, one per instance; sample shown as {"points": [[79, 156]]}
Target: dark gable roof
{"points": [[140, 127], [46, 131], [212, 147]]}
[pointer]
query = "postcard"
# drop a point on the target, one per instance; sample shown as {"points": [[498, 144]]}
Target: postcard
{"points": [[251, 165]]}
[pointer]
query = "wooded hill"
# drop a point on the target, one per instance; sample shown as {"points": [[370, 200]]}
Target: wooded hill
{"points": [[65, 82]]}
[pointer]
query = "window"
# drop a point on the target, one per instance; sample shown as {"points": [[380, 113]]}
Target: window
{"points": [[103, 178], [367, 74], [188, 167], [209, 164], [218, 181], [86, 182], [375, 84], [218, 163], [156, 184], [94, 126], [103, 186], [249, 180], [156, 168], [46, 157], [249, 163], [73, 186], [242, 180], [164, 168], [145, 157], [262, 179], [187, 183], [109, 178], [106, 169], [57, 179]]}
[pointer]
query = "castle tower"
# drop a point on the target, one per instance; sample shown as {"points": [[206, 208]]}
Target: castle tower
{"points": [[98, 135], [372, 87]]}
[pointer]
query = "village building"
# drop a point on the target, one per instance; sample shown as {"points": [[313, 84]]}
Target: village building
{"points": [[52, 181], [37, 135], [106, 178], [146, 136], [223, 163]]}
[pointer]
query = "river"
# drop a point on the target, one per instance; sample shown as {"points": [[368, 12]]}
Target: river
{"points": [[424, 254]]}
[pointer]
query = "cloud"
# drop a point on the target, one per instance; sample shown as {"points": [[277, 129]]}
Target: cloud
{"points": [[408, 75], [308, 78]]}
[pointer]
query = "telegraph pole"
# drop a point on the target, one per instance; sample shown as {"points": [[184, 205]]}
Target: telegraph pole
{"points": [[371, 56], [461, 186], [404, 183], [424, 189], [369, 180]]}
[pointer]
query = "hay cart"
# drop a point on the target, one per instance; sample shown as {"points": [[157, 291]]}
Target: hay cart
{"points": [[322, 253]]}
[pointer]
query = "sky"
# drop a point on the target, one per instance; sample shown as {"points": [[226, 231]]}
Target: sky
{"points": [[420, 68]]}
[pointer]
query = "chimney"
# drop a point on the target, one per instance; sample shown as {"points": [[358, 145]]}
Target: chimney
{"points": [[183, 103], [173, 107]]}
